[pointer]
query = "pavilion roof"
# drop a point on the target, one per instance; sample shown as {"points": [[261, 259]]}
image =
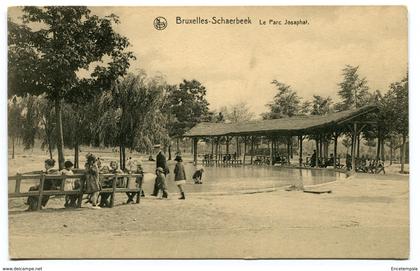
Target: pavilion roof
{"points": [[289, 125]]}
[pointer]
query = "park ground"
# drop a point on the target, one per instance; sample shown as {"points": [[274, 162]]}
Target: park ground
{"points": [[365, 216]]}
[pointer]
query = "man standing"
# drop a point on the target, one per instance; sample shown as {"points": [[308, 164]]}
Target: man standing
{"points": [[160, 163]]}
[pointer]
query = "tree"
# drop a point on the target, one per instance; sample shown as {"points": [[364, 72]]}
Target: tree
{"points": [[321, 105], [30, 123], [46, 123], [239, 112], [14, 121], [136, 114], [398, 95], [50, 57], [187, 104], [286, 102], [353, 89]]}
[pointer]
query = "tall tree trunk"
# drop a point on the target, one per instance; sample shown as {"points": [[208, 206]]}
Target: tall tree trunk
{"points": [[50, 151], [177, 144], [383, 150], [404, 138], [378, 147], [13, 147], [60, 140], [76, 154], [123, 157], [391, 152], [170, 151], [358, 146]]}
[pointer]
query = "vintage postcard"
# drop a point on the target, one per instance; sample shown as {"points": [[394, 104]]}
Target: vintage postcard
{"points": [[208, 132]]}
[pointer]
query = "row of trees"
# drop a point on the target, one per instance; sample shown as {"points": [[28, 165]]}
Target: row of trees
{"points": [[353, 92], [68, 85]]}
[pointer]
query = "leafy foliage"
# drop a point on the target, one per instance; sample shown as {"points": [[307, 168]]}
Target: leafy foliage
{"points": [[286, 102], [188, 106], [353, 89], [236, 113]]}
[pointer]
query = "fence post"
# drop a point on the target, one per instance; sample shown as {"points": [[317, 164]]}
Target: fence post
{"points": [[41, 191], [140, 189], [82, 185], [17, 184], [114, 185], [63, 180]]}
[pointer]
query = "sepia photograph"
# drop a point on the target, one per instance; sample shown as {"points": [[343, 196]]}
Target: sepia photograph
{"points": [[218, 132]]}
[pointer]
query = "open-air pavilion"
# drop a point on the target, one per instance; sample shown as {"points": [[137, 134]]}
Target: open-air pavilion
{"points": [[321, 128]]}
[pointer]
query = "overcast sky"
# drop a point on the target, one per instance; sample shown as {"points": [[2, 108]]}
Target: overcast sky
{"points": [[236, 63]]}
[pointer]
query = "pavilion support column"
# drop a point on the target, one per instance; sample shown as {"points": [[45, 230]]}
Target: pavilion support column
{"points": [[321, 153], [291, 147], [300, 139], [353, 147], [243, 159], [358, 146], [212, 146], [317, 151], [238, 147], [270, 146], [335, 149], [227, 144], [217, 149], [326, 146], [252, 149], [195, 141]]}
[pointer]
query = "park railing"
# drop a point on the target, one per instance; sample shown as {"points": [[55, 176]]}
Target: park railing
{"points": [[120, 183]]}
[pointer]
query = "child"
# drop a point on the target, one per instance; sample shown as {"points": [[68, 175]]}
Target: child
{"points": [[32, 201], [92, 180], [180, 176], [161, 181], [198, 175], [68, 184], [139, 181]]}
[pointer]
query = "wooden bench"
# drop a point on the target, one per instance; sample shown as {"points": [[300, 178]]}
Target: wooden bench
{"points": [[59, 190]]}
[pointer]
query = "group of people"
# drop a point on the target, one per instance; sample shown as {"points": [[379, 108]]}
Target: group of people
{"points": [[367, 165], [180, 178], [330, 161], [95, 180]]}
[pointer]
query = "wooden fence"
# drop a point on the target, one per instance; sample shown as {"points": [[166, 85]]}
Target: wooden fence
{"points": [[127, 185]]}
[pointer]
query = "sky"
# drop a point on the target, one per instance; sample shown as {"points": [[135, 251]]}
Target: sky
{"points": [[236, 63]]}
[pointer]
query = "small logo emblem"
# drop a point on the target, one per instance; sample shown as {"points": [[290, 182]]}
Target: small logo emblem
{"points": [[160, 23]]}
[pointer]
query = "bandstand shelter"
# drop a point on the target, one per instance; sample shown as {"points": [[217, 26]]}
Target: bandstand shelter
{"points": [[316, 127]]}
